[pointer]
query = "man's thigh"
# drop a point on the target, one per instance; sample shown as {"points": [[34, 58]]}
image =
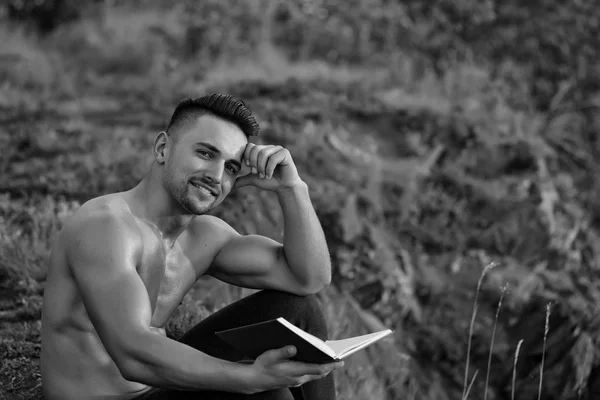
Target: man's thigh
{"points": [[303, 312]]}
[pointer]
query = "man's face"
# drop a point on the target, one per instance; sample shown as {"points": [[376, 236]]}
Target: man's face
{"points": [[204, 163]]}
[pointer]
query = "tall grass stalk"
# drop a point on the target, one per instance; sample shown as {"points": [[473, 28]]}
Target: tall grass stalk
{"points": [[473, 315], [489, 364], [546, 328], [514, 379], [471, 384]]}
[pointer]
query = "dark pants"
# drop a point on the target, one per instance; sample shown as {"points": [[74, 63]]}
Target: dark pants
{"points": [[303, 312]]}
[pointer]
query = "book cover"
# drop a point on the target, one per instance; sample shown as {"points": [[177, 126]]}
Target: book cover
{"points": [[255, 339]]}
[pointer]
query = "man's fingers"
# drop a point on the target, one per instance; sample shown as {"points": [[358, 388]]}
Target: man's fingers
{"points": [[308, 378], [260, 159], [273, 356], [264, 155], [300, 368], [273, 161], [246, 156], [253, 157]]}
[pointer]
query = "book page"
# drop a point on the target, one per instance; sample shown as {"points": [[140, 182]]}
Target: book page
{"points": [[345, 347], [315, 341]]}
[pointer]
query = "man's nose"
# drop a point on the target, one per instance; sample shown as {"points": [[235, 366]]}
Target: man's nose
{"points": [[215, 173]]}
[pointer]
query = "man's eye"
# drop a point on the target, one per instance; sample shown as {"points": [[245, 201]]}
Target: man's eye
{"points": [[232, 169], [203, 153]]}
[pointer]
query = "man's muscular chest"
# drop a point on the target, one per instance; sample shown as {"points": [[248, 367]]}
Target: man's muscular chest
{"points": [[168, 274], [166, 290]]}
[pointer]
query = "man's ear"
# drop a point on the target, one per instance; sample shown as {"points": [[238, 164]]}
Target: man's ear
{"points": [[162, 147]]}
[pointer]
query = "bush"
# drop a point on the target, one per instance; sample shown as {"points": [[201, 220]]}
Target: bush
{"points": [[44, 15]]}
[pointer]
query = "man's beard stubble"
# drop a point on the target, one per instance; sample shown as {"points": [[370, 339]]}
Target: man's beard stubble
{"points": [[182, 194]]}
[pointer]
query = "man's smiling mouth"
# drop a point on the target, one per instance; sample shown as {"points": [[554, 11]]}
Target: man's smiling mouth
{"points": [[204, 189]]}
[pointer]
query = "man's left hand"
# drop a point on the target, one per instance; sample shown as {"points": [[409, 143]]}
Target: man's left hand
{"points": [[269, 168]]}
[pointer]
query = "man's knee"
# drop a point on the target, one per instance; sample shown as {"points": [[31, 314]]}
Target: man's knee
{"points": [[306, 311]]}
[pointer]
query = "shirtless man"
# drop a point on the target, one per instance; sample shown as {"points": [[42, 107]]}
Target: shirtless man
{"points": [[124, 261]]}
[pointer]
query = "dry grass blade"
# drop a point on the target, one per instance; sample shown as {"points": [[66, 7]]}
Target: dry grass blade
{"points": [[546, 328], [514, 378], [471, 385], [489, 364], [473, 315]]}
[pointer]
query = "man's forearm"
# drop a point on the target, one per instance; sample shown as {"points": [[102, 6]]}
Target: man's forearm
{"points": [[161, 362], [304, 243]]}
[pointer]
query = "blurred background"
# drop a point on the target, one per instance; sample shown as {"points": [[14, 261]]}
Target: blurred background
{"points": [[450, 147]]}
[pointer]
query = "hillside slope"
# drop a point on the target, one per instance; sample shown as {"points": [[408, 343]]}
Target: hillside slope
{"points": [[440, 185]]}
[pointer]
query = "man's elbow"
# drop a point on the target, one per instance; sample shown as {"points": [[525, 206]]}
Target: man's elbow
{"points": [[315, 285], [127, 357], [134, 369], [128, 366], [129, 372], [324, 279]]}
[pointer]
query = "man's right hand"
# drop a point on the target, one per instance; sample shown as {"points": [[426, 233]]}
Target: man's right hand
{"points": [[274, 370]]}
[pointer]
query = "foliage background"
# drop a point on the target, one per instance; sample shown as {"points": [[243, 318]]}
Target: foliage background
{"points": [[436, 136]]}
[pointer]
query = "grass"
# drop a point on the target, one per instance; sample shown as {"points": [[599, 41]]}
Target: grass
{"points": [[102, 88], [546, 328], [489, 364], [514, 375], [466, 388]]}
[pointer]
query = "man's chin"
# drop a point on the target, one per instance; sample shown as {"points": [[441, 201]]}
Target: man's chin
{"points": [[199, 210], [200, 207]]}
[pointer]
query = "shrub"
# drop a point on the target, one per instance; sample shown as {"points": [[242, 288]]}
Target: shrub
{"points": [[44, 15]]}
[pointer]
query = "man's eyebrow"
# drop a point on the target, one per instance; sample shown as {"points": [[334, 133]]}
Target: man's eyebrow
{"points": [[217, 151], [210, 147]]}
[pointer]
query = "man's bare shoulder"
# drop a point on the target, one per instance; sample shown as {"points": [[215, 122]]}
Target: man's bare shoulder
{"points": [[106, 217], [209, 227]]}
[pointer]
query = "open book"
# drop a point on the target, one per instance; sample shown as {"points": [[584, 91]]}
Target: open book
{"points": [[255, 339]]}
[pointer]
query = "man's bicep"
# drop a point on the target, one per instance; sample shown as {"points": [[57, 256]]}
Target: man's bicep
{"points": [[254, 261], [248, 255], [102, 257]]}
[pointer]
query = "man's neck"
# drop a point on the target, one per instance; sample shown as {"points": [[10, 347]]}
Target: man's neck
{"points": [[155, 207]]}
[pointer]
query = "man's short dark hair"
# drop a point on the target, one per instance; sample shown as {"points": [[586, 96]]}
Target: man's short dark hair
{"points": [[220, 105]]}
